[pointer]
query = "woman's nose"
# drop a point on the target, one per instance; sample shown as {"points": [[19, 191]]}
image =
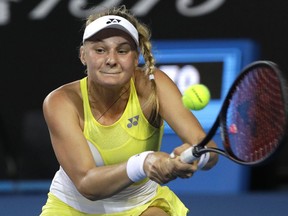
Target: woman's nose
{"points": [[111, 59]]}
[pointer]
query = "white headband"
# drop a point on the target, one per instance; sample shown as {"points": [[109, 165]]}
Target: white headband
{"points": [[110, 21]]}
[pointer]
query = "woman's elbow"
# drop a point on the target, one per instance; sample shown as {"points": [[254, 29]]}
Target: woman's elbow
{"points": [[88, 191]]}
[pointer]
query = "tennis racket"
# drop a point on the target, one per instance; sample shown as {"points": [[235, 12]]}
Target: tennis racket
{"points": [[252, 119]]}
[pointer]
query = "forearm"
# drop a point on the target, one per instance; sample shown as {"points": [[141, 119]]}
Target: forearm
{"points": [[103, 182]]}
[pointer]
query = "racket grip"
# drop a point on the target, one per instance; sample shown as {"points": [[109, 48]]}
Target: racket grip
{"points": [[187, 156]]}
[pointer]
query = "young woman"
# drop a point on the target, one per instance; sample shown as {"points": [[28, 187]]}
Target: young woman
{"points": [[106, 128]]}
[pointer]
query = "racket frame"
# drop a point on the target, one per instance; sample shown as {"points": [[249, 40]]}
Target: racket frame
{"points": [[220, 122]]}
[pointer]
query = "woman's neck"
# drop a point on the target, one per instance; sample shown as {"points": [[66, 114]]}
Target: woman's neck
{"points": [[107, 105]]}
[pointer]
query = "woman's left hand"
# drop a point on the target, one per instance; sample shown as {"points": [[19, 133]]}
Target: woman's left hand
{"points": [[161, 168]]}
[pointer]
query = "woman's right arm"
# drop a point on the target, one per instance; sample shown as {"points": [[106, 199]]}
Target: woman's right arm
{"points": [[73, 153]]}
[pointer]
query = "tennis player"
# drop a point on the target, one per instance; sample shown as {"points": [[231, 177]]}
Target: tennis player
{"points": [[106, 128]]}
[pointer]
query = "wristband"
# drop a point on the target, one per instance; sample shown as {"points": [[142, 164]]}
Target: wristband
{"points": [[134, 168], [204, 158]]}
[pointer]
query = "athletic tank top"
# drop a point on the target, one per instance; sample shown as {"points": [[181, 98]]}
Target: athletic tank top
{"points": [[129, 135]]}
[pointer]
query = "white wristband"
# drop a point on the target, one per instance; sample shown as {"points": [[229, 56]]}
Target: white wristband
{"points": [[134, 168], [204, 158]]}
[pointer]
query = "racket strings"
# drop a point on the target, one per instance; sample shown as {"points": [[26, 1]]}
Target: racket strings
{"points": [[256, 115]]}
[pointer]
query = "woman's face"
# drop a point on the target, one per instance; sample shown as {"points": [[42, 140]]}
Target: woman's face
{"points": [[111, 57]]}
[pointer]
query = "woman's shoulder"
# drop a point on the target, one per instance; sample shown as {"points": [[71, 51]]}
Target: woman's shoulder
{"points": [[69, 93]]}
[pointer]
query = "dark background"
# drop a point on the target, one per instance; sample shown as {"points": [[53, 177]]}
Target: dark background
{"points": [[39, 54]]}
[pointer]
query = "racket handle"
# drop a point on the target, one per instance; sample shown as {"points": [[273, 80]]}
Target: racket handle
{"points": [[187, 156]]}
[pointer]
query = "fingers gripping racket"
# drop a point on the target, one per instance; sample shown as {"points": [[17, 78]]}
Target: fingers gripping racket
{"points": [[253, 117]]}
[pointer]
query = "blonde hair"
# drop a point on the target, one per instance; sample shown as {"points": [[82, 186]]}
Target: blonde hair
{"points": [[145, 48]]}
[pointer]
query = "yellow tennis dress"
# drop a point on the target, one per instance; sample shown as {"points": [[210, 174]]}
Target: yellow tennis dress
{"points": [[113, 144]]}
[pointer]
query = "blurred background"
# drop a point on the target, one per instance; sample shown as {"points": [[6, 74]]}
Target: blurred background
{"points": [[211, 40]]}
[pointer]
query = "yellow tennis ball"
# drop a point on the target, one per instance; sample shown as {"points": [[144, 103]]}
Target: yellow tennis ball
{"points": [[196, 97]]}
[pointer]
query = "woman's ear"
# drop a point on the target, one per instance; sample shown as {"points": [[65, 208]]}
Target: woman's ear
{"points": [[82, 55]]}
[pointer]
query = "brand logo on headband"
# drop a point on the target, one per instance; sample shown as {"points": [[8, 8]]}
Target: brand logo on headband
{"points": [[108, 21], [113, 20]]}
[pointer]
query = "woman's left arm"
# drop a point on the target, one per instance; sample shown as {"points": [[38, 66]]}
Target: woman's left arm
{"points": [[179, 118]]}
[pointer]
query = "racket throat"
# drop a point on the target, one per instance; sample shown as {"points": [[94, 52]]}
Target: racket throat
{"points": [[196, 151]]}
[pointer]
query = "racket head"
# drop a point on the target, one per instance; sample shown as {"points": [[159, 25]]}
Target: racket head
{"points": [[253, 118]]}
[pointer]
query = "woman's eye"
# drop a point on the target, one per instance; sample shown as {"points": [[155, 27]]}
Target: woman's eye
{"points": [[122, 51], [100, 50]]}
